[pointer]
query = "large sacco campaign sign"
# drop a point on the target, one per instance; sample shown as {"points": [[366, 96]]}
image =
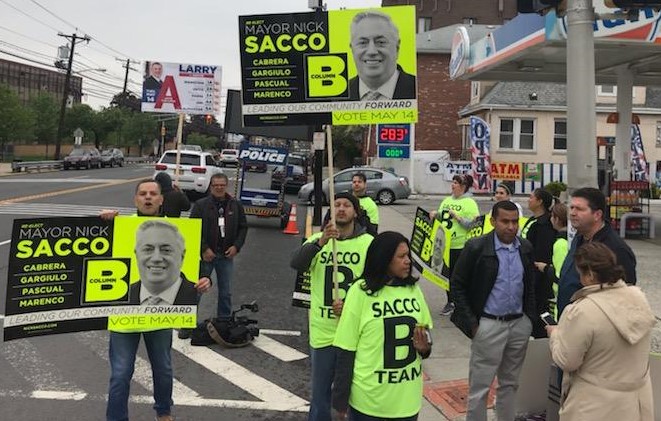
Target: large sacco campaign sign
{"points": [[340, 67]]}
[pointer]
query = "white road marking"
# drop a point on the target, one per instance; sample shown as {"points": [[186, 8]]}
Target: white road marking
{"points": [[55, 209], [149, 400], [142, 373], [280, 332], [5, 242], [62, 396], [39, 372], [278, 350], [58, 180], [274, 397]]}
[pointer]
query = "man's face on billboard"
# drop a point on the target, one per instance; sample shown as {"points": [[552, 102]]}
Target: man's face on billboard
{"points": [[159, 255], [156, 70], [375, 47]]}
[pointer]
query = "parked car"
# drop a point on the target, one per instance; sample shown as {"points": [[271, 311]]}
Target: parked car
{"points": [[383, 186], [82, 158], [112, 157], [229, 157], [294, 179], [195, 169]]}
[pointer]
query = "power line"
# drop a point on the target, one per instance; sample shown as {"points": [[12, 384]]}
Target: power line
{"points": [[27, 59], [30, 16], [54, 15], [28, 37]]}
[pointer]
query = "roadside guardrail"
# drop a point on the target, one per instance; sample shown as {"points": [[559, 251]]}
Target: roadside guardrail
{"points": [[18, 166]]}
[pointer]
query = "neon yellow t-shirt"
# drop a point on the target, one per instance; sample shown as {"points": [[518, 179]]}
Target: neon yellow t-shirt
{"points": [[370, 208], [466, 208], [350, 263], [387, 373], [560, 250]]}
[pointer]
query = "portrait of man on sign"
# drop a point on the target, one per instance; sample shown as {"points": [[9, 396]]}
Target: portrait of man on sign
{"points": [[375, 43], [159, 252], [153, 81]]}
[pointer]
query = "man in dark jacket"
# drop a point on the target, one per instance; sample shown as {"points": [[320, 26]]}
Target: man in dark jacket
{"points": [[586, 214], [224, 229], [492, 287], [174, 200]]}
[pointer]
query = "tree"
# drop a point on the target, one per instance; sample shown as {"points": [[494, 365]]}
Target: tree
{"points": [[126, 100], [206, 142], [16, 121], [84, 117], [347, 144], [138, 129], [45, 111]]}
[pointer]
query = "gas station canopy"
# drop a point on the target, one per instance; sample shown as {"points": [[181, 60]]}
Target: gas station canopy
{"points": [[533, 48]]}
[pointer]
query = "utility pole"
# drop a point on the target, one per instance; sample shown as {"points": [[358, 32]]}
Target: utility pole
{"points": [[128, 67], [581, 113], [73, 39]]}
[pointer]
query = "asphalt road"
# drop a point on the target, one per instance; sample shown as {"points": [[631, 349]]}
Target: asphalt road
{"points": [[65, 377]]}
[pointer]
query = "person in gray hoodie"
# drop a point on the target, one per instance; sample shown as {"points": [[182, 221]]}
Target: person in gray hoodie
{"points": [[602, 344], [174, 200]]}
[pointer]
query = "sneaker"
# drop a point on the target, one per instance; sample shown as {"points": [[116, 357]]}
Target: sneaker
{"points": [[164, 418], [184, 334], [448, 309]]}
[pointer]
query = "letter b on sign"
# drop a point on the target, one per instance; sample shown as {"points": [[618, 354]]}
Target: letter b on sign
{"points": [[398, 351], [326, 75], [106, 280]]}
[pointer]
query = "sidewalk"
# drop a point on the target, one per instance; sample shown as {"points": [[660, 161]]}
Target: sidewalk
{"points": [[451, 351]]}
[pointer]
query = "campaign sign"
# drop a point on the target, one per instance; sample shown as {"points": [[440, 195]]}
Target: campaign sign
{"points": [[319, 68], [181, 88], [80, 274], [301, 296], [429, 247]]}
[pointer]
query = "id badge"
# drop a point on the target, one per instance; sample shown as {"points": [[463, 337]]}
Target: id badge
{"points": [[221, 225]]}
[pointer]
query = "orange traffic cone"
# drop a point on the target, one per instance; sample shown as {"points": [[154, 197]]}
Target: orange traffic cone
{"points": [[292, 226]]}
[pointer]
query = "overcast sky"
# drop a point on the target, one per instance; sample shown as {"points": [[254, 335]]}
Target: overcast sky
{"points": [[194, 31]]}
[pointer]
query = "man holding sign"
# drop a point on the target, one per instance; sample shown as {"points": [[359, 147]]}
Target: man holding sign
{"points": [[316, 256], [124, 344]]}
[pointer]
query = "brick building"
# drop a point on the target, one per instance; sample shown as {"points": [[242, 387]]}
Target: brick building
{"points": [[28, 81]]}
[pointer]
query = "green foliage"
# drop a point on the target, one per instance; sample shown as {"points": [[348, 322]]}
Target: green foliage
{"points": [[347, 144], [16, 121], [555, 188], [45, 111], [207, 142]]}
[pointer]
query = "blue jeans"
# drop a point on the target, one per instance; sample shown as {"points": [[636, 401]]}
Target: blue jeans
{"points": [[123, 349], [355, 415], [323, 371], [223, 267]]}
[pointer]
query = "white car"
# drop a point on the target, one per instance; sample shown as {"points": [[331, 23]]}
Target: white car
{"points": [[229, 157], [195, 169]]}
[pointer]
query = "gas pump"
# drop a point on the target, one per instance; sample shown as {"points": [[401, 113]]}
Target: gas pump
{"points": [[605, 170]]}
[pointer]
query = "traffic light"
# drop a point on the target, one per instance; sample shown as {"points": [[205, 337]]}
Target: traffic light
{"points": [[537, 6], [633, 4]]}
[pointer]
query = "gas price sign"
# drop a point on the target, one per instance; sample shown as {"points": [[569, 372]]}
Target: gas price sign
{"points": [[394, 133]]}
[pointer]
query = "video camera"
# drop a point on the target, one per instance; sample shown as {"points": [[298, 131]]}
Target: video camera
{"points": [[235, 331]]}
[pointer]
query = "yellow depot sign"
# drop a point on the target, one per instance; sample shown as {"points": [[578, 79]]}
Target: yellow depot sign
{"points": [[506, 171]]}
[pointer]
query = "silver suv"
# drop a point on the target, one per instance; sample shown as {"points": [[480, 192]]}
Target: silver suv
{"points": [[195, 169]]}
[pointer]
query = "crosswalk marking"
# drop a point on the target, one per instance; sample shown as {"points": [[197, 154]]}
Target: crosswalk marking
{"points": [[25, 358], [49, 384], [278, 350], [142, 373], [272, 395]]}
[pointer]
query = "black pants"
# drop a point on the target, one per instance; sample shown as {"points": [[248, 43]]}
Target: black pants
{"points": [[449, 269], [355, 415]]}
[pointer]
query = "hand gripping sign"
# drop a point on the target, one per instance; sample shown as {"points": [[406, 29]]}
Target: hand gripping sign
{"points": [[79, 274]]}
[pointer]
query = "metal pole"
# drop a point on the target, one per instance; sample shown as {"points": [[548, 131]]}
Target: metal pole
{"points": [[581, 114], [622, 149], [65, 97], [412, 160]]}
